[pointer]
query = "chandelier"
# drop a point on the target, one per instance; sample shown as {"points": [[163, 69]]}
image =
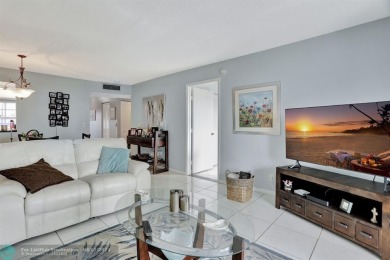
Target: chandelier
{"points": [[19, 88]]}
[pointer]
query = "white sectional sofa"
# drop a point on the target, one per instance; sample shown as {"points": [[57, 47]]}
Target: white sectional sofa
{"points": [[24, 214]]}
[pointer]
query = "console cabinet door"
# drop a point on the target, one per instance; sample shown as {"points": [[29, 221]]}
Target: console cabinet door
{"points": [[285, 199], [367, 235], [298, 205], [344, 225], [320, 215]]}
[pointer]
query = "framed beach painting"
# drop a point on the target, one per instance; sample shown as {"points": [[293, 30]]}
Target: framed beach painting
{"points": [[256, 109]]}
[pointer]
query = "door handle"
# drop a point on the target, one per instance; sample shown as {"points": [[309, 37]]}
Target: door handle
{"points": [[342, 224], [366, 234], [212, 133]]}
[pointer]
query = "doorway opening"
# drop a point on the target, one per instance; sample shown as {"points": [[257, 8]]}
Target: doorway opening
{"points": [[203, 129], [110, 115]]}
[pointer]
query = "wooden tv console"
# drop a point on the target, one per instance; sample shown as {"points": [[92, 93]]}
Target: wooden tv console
{"points": [[332, 188]]}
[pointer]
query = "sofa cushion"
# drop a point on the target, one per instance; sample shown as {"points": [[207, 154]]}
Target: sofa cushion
{"points": [[107, 184], [54, 152], [11, 187], [113, 160], [60, 196], [36, 176], [87, 153]]}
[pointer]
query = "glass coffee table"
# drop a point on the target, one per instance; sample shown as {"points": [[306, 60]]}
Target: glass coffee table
{"points": [[208, 229]]}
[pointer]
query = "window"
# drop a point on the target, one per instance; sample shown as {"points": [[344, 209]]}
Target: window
{"points": [[7, 113]]}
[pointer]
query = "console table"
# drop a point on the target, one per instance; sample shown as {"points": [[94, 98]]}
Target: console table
{"points": [[159, 139], [330, 188]]}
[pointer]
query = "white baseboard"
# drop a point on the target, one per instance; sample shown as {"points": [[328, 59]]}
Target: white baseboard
{"points": [[264, 191]]}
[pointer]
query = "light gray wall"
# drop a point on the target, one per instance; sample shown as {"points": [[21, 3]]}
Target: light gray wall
{"points": [[32, 112], [348, 66]]}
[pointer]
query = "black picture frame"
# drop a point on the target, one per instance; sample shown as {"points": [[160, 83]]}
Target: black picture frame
{"points": [[139, 132], [154, 129], [133, 131], [58, 109]]}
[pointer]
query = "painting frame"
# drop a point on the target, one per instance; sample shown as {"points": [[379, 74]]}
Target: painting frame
{"points": [[154, 111], [256, 109]]}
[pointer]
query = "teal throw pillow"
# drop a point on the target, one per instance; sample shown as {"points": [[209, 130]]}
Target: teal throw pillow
{"points": [[113, 160]]}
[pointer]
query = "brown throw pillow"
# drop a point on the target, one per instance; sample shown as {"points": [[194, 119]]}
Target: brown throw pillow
{"points": [[36, 176]]}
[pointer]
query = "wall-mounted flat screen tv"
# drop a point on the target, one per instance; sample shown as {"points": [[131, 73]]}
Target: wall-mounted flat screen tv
{"points": [[352, 136]]}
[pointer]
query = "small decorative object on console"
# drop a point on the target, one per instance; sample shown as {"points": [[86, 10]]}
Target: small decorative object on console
{"points": [[346, 205], [374, 214], [287, 185], [139, 132], [301, 192]]}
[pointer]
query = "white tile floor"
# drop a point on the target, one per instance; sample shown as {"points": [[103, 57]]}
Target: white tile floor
{"points": [[274, 228]]}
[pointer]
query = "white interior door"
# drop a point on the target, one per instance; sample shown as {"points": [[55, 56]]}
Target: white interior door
{"points": [[202, 130], [125, 122], [106, 120]]}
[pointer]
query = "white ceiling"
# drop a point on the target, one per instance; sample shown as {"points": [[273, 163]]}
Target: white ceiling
{"points": [[130, 41]]}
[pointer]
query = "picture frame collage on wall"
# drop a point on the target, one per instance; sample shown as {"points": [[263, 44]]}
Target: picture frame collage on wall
{"points": [[58, 109]]}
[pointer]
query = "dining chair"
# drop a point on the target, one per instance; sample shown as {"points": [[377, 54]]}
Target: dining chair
{"points": [[83, 136]]}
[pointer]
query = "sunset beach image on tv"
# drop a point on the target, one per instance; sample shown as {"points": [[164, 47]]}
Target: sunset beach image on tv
{"points": [[351, 136]]}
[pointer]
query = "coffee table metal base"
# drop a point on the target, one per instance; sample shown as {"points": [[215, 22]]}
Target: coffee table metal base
{"points": [[143, 249]]}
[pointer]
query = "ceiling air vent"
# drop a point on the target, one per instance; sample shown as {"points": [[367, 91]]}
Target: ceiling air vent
{"points": [[111, 87]]}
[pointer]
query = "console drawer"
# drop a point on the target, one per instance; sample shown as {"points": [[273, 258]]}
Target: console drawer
{"points": [[344, 225], [367, 235], [298, 205], [285, 199], [319, 214]]}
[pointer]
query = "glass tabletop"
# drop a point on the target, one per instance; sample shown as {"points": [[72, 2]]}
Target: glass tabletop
{"points": [[210, 228]]}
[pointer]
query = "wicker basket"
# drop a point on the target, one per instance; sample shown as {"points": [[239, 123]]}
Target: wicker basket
{"points": [[239, 189]]}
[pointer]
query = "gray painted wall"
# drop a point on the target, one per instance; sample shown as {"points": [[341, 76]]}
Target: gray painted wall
{"points": [[348, 66], [32, 112]]}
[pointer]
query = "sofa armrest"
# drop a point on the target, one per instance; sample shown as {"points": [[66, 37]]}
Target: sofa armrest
{"points": [[12, 218], [142, 174], [135, 167], [10, 187]]}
